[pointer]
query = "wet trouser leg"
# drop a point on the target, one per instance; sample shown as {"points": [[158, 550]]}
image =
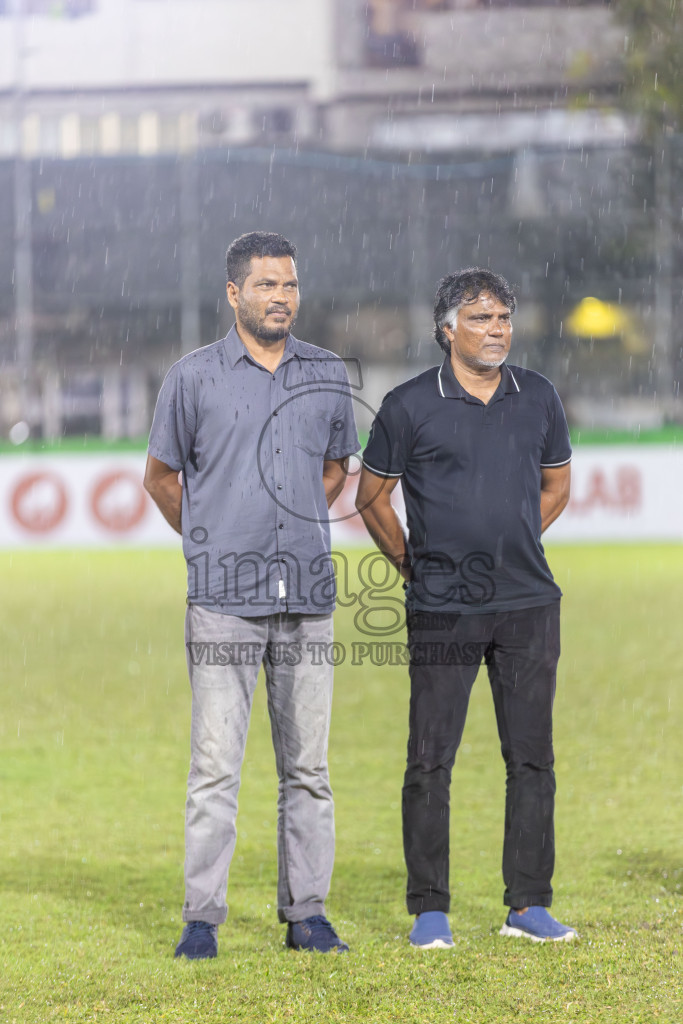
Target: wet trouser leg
{"points": [[521, 650], [225, 653]]}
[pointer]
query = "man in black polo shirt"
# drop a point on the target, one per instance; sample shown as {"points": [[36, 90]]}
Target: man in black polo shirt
{"points": [[482, 451]]}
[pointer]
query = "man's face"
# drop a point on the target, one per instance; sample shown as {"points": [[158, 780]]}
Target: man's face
{"points": [[482, 334], [267, 303]]}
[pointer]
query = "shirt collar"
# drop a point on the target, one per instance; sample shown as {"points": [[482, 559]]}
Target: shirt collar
{"points": [[236, 349], [450, 387]]}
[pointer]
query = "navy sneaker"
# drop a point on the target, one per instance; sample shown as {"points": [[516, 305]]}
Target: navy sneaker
{"points": [[431, 931], [199, 941], [314, 933], [538, 925]]}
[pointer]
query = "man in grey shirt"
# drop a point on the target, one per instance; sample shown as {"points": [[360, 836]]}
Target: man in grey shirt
{"points": [[261, 426]]}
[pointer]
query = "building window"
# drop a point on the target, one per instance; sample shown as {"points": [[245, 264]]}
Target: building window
{"points": [[130, 133], [90, 135], [214, 122], [50, 137], [274, 121], [169, 133], [51, 8]]}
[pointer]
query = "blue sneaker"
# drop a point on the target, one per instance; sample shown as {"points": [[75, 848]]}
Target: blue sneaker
{"points": [[431, 931], [199, 941], [538, 925], [316, 934]]}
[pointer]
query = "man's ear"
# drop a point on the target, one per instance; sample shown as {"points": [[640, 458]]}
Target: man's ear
{"points": [[232, 291]]}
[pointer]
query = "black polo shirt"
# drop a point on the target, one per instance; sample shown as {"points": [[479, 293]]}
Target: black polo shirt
{"points": [[471, 479]]}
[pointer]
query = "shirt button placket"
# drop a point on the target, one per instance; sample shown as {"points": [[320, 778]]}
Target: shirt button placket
{"points": [[278, 476]]}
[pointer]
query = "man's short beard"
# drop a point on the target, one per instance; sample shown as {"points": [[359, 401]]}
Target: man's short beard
{"points": [[270, 333], [484, 364], [257, 327]]}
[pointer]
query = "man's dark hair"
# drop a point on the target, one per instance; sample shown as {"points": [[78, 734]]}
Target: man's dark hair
{"points": [[456, 290], [254, 244]]}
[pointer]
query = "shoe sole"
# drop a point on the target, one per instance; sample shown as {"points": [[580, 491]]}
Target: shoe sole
{"points": [[518, 933], [436, 944], [201, 956], [314, 949], [323, 952]]}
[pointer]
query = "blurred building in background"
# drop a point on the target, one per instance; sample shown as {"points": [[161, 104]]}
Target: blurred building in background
{"points": [[393, 140]]}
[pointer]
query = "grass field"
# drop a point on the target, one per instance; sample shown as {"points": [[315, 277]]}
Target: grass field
{"points": [[94, 730]]}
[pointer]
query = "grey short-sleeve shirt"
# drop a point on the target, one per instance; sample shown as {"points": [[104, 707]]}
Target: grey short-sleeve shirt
{"points": [[251, 446]]}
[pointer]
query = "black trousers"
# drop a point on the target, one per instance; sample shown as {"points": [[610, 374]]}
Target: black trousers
{"points": [[521, 650]]}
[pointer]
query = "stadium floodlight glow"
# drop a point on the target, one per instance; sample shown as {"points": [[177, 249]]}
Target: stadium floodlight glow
{"points": [[20, 432], [593, 318]]}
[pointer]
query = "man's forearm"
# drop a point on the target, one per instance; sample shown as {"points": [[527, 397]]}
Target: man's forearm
{"points": [[167, 495], [552, 505], [334, 478], [555, 491], [387, 532]]}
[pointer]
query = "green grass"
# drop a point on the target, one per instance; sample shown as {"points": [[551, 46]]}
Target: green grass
{"points": [[94, 734], [89, 444]]}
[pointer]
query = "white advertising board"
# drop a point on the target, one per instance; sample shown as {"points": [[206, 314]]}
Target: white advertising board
{"points": [[619, 493], [77, 501], [623, 493]]}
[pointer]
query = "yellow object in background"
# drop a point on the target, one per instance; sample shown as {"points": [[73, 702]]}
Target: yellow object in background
{"points": [[593, 318]]}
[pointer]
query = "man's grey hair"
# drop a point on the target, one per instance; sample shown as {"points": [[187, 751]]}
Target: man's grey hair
{"points": [[450, 317], [459, 289]]}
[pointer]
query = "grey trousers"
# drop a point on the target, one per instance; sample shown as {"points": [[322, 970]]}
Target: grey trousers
{"points": [[224, 654]]}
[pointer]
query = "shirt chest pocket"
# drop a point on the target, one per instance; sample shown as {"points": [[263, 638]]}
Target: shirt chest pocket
{"points": [[312, 434]]}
